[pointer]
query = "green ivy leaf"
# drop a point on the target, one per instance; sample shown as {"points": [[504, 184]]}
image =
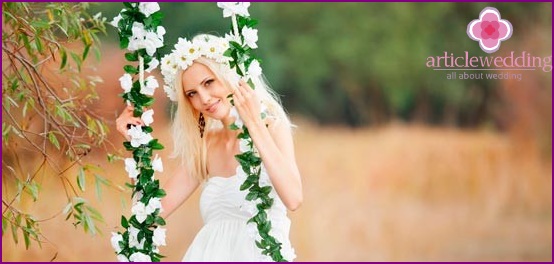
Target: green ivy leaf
{"points": [[123, 42], [124, 222], [155, 145], [130, 69], [251, 196], [160, 221], [131, 56], [233, 126]]}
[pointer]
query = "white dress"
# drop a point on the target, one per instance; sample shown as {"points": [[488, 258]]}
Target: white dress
{"points": [[225, 236]]}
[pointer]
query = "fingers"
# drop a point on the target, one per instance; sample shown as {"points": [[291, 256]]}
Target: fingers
{"points": [[243, 92], [127, 119]]}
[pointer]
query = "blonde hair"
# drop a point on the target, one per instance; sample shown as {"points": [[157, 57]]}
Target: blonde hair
{"points": [[187, 143]]}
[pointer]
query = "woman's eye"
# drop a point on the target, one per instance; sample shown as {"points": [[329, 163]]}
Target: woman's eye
{"points": [[191, 94], [208, 82]]}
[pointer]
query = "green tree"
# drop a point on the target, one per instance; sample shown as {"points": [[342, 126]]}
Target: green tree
{"points": [[48, 126]]}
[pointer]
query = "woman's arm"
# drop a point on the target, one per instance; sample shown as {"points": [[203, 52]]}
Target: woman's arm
{"points": [[275, 146], [178, 189]]}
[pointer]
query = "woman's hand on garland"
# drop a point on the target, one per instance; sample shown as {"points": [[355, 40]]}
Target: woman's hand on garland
{"points": [[248, 105], [126, 119]]}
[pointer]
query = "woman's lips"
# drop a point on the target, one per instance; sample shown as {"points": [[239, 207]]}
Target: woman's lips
{"points": [[213, 107]]}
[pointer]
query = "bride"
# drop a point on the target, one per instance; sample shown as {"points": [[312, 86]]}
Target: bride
{"points": [[207, 147]]}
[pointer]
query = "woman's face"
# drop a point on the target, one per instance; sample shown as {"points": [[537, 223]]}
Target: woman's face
{"points": [[205, 92]]}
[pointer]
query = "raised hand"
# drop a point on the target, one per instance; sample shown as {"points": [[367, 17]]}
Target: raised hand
{"points": [[125, 119], [248, 104]]}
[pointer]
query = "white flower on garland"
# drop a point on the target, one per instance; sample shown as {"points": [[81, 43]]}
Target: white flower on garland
{"points": [[131, 168], [250, 37], [157, 164], [150, 86], [140, 257], [153, 205], [116, 238], [133, 238], [234, 8], [149, 8], [147, 117], [116, 19], [244, 145], [139, 210], [144, 39], [122, 258], [152, 65], [138, 137], [159, 236], [254, 70], [234, 113], [126, 82]]}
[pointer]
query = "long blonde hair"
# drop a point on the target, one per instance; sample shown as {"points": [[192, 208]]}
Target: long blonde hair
{"points": [[187, 143]]}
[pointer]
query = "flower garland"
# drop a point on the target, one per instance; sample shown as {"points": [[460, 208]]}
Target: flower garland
{"points": [[140, 32], [257, 201]]}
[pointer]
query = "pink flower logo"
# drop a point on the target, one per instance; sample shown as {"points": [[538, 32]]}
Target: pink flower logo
{"points": [[489, 29]]}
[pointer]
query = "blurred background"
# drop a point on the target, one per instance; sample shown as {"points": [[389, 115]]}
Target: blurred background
{"points": [[398, 162]]}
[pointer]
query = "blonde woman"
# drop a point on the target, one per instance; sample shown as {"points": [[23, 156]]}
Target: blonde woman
{"points": [[206, 148]]}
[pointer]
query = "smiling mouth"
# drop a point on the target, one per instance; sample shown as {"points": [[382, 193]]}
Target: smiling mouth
{"points": [[213, 107]]}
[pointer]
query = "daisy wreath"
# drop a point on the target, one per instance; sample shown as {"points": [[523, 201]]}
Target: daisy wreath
{"points": [[140, 32], [235, 50]]}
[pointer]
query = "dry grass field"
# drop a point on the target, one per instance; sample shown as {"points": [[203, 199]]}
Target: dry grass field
{"points": [[393, 193]]}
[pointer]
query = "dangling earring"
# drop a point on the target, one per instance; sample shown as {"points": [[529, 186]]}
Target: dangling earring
{"points": [[201, 125]]}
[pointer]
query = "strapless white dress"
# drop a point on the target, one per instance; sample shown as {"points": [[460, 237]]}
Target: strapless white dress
{"points": [[225, 236]]}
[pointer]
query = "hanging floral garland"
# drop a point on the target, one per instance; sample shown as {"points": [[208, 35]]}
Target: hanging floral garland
{"points": [[258, 200], [140, 32]]}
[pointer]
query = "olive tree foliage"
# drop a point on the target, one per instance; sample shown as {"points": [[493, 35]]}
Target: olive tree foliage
{"points": [[48, 124]]}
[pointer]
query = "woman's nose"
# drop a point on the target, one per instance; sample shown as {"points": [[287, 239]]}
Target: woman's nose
{"points": [[204, 97]]}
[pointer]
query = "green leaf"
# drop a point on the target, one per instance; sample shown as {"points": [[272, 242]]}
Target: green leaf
{"points": [[85, 52], [77, 59], [40, 24], [52, 138], [147, 129], [251, 196], [123, 42], [131, 56], [26, 238], [246, 185], [124, 222], [156, 19], [67, 208], [266, 190], [233, 126], [64, 58], [14, 228], [160, 193], [32, 188], [38, 43], [97, 54], [155, 145], [81, 179], [99, 181], [160, 221], [130, 69]]}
